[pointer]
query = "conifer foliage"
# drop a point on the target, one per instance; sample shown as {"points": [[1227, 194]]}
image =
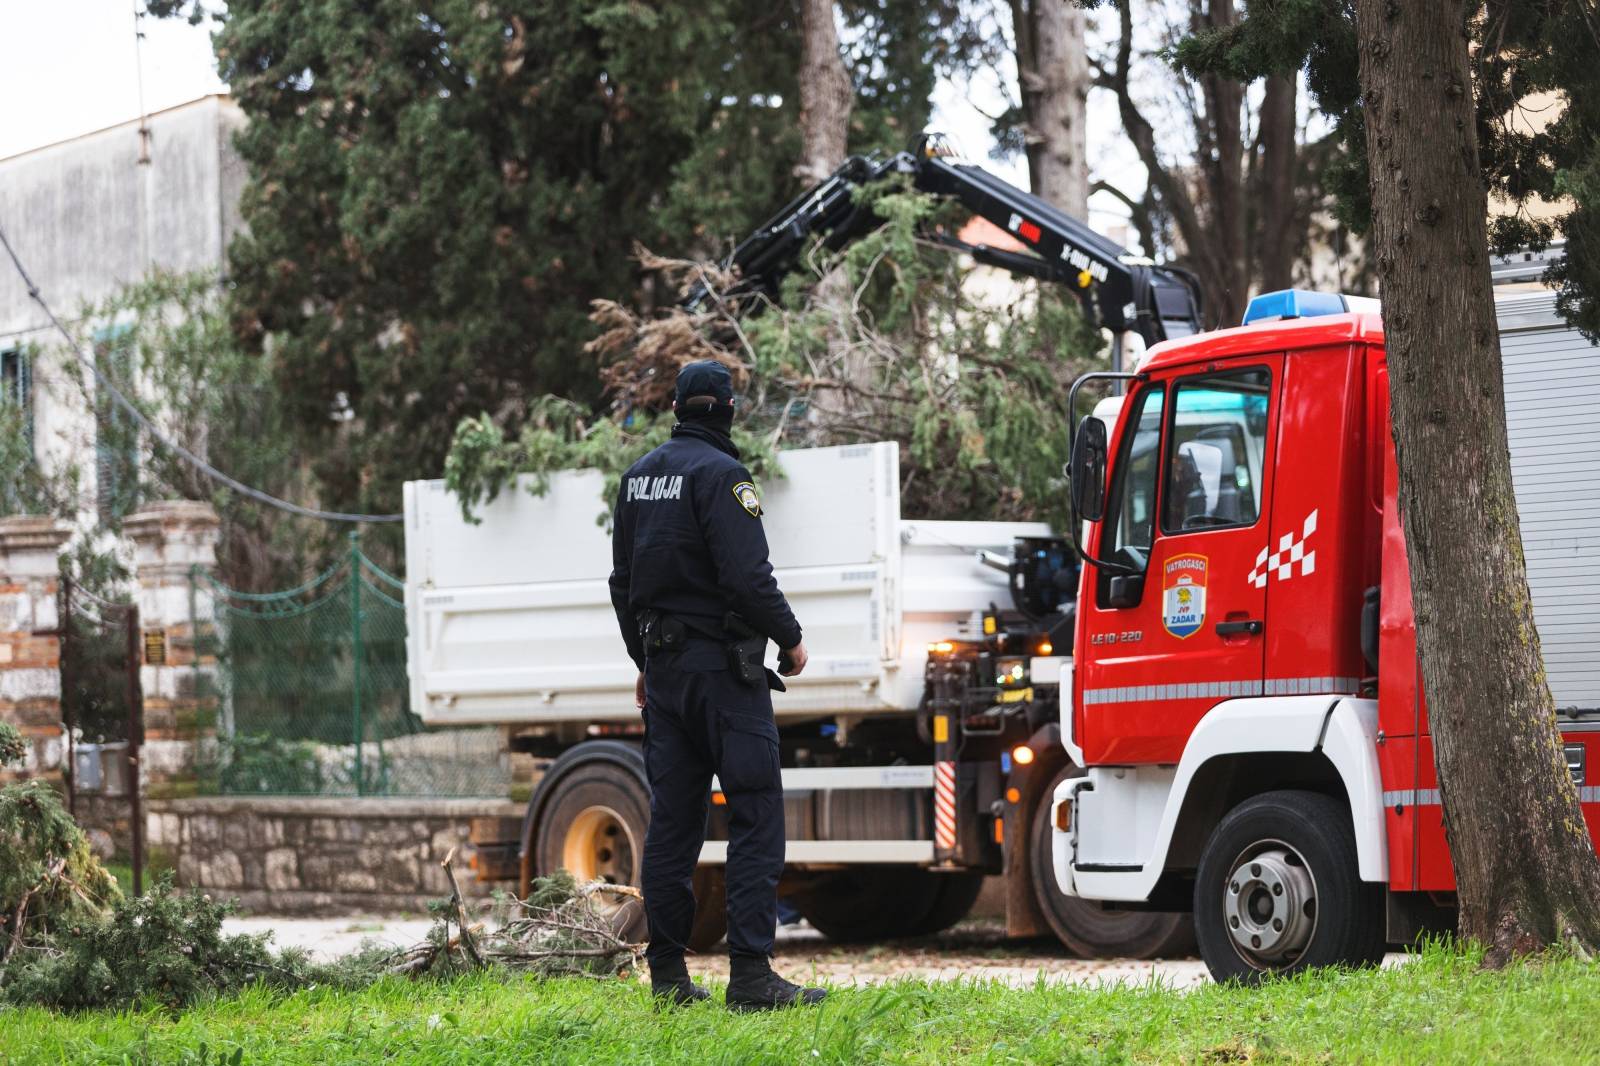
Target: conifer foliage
{"points": [[917, 352], [437, 190], [49, 879]]}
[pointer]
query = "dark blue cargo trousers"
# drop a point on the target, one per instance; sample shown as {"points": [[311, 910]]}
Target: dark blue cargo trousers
{"points": [[699, 721]]}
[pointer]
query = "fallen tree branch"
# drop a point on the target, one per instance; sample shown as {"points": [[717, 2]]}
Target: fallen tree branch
{"points": [[20, 918], [461, 909]]}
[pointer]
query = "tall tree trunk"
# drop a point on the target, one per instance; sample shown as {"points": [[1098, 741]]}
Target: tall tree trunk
{"points": [[826, 96], [1274, 196], [1525, 867], [825, 93], [1221, 141], [1053, 69]]}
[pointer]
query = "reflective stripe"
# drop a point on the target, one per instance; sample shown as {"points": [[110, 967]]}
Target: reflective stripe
{"points": [[1412, 797], [944, 805], [1429, 797], [1203, 690]]}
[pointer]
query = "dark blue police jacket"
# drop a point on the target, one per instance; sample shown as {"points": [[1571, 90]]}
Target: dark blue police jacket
{"points": [[688, 542]]}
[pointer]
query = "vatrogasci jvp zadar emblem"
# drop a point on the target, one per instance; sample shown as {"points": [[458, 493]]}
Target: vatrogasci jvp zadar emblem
{"points": [[1183, 595]]}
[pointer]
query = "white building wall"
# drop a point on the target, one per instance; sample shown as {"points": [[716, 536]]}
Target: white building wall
{"points": [[87, 217]]}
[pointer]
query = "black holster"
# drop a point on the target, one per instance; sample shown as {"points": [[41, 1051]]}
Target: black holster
{"points": [[745, 651]]}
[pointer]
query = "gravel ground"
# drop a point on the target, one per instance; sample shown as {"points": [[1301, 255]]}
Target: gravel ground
{"points": [[975, 949]]}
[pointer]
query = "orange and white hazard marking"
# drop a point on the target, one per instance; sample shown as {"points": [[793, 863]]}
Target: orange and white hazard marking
{"points": [[944, 805]]}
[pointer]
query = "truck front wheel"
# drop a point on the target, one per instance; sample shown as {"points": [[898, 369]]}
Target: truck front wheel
{"points": [[1278, 890], [1087, 929]]}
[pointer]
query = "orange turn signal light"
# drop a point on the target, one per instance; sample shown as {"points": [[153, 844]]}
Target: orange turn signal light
{"points": [[1013, 795], [1064, 816], [718, 799], [1046, 648]]}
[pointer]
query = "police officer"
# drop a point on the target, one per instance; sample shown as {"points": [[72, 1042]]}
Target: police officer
{"points": [[696, 600]]}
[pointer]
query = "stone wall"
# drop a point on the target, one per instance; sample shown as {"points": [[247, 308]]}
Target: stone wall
{"points": [[323, 855]]}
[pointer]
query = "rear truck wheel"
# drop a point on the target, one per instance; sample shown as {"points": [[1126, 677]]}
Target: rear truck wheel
{"points": [[1086, 928], [869, 902], [593, 826], [954, 895], [710, 908], [1279, 891]]}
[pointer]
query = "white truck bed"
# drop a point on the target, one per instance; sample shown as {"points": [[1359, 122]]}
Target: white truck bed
{"points": [[510, 621]]}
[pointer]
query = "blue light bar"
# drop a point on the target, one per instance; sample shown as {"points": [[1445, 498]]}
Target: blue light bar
{"points": [[1293, 303]]}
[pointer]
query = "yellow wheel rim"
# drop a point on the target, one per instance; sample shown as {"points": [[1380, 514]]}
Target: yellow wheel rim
{"points": [[600, 847]]}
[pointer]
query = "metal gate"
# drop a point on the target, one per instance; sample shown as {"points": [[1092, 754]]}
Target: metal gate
{"points": [[102, 710], [309, 685]]}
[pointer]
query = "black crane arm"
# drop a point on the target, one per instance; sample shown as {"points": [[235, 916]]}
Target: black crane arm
{"points": [[1128, 292]]}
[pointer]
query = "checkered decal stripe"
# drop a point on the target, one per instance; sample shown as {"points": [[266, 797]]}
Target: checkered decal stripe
{"points": [[1291, 550]]}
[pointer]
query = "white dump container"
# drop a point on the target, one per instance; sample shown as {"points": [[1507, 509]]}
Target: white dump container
{"points": [[510, 620]]}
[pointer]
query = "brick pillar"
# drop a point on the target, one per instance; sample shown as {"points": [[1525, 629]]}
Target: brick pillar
{"points": [[170, 540], [30, 666]]}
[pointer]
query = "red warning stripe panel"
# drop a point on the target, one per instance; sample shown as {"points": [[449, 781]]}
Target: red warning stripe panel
{"points": [[944, 805]]}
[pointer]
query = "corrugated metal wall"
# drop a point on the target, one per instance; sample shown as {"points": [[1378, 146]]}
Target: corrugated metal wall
{"points": [[1552, 378]]}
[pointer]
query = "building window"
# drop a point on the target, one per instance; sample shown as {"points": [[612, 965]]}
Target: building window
{"points": [[116, 445], [16, 387]]}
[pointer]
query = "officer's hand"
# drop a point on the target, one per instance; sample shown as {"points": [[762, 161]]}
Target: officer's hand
{"points": [[638, 692], [797, 659]]}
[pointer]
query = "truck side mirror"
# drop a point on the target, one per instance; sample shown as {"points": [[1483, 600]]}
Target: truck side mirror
{"points": [[1087, 471]]}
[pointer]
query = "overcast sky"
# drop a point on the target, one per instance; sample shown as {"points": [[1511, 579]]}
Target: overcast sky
{"points": [[70, 67]]}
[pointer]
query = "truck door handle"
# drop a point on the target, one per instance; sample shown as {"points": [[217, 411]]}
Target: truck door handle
{"points": [[1252, 626]]}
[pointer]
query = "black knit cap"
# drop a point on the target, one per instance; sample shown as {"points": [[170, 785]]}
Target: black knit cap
{"points": [[706, 377]]}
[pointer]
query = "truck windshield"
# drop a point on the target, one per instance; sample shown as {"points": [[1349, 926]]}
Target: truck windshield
{"points": [[1133, 513], [1219, 436]]}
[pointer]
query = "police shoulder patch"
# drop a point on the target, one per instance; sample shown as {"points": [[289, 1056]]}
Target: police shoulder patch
{"points": [[745, 493]]}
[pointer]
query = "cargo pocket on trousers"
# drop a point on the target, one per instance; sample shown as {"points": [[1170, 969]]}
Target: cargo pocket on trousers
{"points": [[749, 754]]}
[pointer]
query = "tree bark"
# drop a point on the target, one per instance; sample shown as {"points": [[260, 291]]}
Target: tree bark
{"points": [[825, 93], [1526, 870], [1281, 231], [826, 96], [1053, 69], [1220, 133]]}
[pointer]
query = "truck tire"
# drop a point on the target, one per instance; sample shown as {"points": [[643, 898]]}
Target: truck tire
{"points": [[710, 908], [1087, 929], [869, 902], [954, 896], [593, 825], [1278, 890]]}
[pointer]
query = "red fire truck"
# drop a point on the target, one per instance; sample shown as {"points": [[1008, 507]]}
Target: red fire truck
{"points": [[1245, 696]]}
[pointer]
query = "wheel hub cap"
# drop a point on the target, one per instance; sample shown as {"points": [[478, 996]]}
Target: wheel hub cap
{"points": [[598, 847], [1269, 906]]}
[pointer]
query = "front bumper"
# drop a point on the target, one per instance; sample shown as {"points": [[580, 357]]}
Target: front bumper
{"points": [[1064, 842]]}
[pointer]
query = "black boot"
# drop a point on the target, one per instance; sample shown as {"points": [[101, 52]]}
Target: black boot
{"points": [[670, 984], [753, 986]]}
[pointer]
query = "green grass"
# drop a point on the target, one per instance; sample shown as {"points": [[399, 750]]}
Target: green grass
{"points": [[121, 869], [1440, 1008]]}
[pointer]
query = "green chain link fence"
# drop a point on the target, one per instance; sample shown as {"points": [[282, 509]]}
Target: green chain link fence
{"points": [[312, 699]]}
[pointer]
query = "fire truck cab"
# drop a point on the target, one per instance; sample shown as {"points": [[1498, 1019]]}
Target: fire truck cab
{"points": [[1245, 696]]}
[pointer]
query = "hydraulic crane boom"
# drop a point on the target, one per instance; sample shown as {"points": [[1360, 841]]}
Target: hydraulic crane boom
{"points": [[1127, 292]]}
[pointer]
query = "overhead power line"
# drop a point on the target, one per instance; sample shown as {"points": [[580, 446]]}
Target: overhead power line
{"points": [[103, 382]]}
